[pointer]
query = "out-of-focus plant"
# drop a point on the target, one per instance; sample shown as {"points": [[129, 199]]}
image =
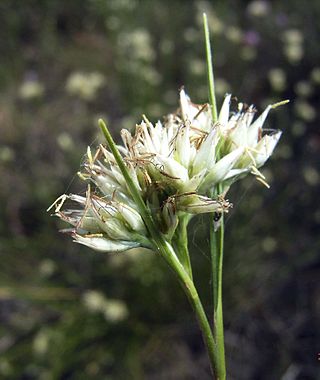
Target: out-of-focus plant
{"points": [[85, 85]]}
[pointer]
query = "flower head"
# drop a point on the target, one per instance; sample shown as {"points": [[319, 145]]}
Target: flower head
{"points": [[190, 152], [174, 165]]}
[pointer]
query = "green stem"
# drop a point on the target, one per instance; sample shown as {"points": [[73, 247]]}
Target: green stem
{"points": [[191, 292], [212, 96], [180, 243], [216, 238], [216, 248], [214, 262]]}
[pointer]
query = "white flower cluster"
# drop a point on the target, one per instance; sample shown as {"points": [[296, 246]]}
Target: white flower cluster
{"points": [[85, 85], [176, 166]]}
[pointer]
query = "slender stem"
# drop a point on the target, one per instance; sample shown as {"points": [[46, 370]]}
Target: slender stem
{"points": [[218, 316], [216, 238], [192, 294], [212, 96], [214, 262], [216, 248], [180, 243]]}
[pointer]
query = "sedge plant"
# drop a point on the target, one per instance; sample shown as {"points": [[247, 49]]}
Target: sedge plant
{"points": [[145, 192]]}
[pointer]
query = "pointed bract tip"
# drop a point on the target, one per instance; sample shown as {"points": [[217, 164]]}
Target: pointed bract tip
{"points": [[101, 122], [89, 155], [283, 102]]}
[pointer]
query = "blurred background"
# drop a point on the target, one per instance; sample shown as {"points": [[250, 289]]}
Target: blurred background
{"points": [[69, 313]]}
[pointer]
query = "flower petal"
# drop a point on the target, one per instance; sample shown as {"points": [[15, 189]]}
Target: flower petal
{"points": [[235, 172], [173, 169], [224, 112], [265, 148], [255, 128], [115, 229], [205, 156], [185, 105], [193, 183], [183, 146], [221, 169], [100, 243], [132, 217]]}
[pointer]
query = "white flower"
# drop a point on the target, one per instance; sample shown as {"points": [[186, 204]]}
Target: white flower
{"points": [[189, 152], [85, 85], [174, 165], [103, 225], [31, 89], [112, 309]]}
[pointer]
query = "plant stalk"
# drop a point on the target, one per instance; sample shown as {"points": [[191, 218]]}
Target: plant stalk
{"points": [[180, 243], [191, 292], [216, 237], [216, 249], [212, 96]]}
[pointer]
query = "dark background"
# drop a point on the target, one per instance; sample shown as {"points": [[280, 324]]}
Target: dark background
{"points": [[69, 313]]}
